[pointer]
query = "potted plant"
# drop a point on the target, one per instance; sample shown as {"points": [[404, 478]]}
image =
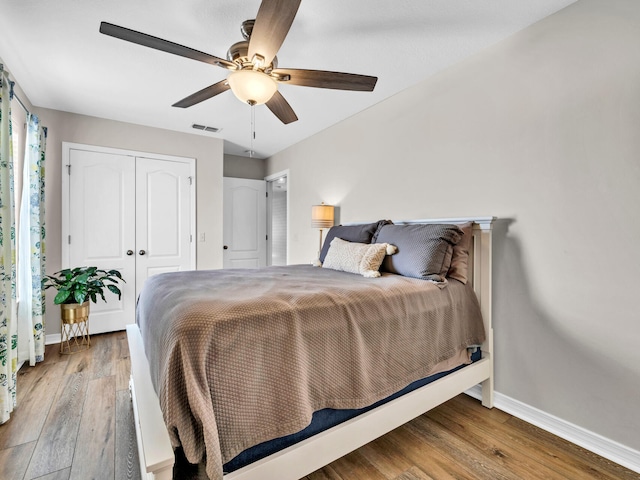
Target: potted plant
{"points": [[76, 288]]}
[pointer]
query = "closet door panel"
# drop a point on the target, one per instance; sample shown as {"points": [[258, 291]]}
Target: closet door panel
{"points": [[101, 228], [163, 207]]}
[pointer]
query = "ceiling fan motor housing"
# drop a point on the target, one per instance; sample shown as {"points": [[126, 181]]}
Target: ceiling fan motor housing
{"points": [[238, 53]]}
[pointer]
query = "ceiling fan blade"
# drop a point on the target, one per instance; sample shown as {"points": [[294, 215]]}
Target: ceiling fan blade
{"points": [[281, 108], [163, 45], [324, 79], [204, 94], [272, 24]]}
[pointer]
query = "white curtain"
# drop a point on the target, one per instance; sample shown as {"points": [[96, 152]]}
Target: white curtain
{"points": [[31, 251], [8, 314]]}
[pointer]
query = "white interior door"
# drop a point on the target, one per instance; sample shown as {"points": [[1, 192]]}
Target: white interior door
{"points": [[163, 213], [101, 228], [244, 223]]}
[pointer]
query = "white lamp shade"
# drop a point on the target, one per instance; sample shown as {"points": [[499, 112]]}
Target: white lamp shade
{"points": [[251, 86], [322, 216]]}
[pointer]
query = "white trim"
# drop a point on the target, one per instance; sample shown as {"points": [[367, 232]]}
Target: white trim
{"points": [[483, 223], [275, 176], [594, 442], [52, 338]]}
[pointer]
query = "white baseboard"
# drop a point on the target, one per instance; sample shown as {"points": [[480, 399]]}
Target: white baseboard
{"points": [[609, 449], [52, 338]]}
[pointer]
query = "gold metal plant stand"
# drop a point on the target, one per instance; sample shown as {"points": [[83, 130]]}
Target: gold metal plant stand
{"points": [[74, 328]]}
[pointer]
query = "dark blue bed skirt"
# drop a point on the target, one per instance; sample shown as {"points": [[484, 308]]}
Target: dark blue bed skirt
{"points": [[323, 420]]}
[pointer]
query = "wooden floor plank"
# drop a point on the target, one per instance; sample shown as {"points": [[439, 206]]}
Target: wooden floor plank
{"points": [[59, 475], [493, 415], [526, 443], [103, 352], [15, 460], [122, 345], [123, 372], [386, 457], [325, 473], [414, 473], [56, 445], [499, 451], [52, 354], [589, 461], [355, 466], [79, 361], [424, 455], [95, 449], [127, 465], [460, 452], [539, 440], [34, 402]]}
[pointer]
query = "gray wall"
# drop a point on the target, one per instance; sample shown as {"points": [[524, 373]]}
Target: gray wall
{"points": [[69, 127], [541, 130], [244, 167]]}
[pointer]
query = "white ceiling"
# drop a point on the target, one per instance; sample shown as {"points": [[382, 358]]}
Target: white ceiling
{"points": [[55, 52]]}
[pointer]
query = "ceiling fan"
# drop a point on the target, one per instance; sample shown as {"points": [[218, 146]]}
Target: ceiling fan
{"points": [[255, 75]]}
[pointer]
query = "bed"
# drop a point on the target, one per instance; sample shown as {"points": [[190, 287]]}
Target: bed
{"points": [[296, 460]]}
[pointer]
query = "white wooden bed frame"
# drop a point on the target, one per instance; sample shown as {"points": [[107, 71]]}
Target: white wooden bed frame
{"points": [[154, 447]]}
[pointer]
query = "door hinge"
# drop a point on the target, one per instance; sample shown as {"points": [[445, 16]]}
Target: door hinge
{"points": [[191, 238], [69, 239], [69, 169], [267, 238], [266, 194], [190, 180]]}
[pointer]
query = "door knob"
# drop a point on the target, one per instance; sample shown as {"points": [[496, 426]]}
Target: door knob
{"points": [[129, 252], [225, 247], [142, 252]]}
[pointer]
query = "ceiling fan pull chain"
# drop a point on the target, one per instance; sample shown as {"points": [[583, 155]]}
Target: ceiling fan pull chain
{"points": [[253, 128]]}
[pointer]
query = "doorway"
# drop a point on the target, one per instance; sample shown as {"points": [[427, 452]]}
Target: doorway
{"points": [[277, 218], [244, 229]]}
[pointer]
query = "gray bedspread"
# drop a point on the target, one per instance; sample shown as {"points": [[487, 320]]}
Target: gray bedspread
{"points": [[239, 357]]}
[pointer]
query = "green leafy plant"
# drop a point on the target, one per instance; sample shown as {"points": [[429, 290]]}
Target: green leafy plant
{"points": [[77, 285]]}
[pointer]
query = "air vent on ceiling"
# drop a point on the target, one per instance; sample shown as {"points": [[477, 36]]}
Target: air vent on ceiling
{"points": [[205, 128]]}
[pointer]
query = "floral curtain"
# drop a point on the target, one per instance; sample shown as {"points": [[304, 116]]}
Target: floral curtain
{"points": [[8, 313], [31, 251]]}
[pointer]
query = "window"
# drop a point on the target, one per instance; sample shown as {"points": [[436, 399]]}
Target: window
{"points": [[18, 134]]}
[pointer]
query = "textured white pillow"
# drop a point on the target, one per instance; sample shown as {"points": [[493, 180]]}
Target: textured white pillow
{"points": [[362, 258]]}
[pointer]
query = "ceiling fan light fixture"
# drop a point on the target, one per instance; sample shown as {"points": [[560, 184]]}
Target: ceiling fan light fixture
{"points": [[252, 86]]}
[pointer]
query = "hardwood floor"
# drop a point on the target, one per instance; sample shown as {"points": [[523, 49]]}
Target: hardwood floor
{"points": [[74, 418], [74, 421]]}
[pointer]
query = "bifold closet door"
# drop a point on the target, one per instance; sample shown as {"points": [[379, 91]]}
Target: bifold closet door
{"points": [[162, 218], [101, 228], [132, 214]]}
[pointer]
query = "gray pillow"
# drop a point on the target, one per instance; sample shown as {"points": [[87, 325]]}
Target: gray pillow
{"points": [[351, 233], [424, 251]]}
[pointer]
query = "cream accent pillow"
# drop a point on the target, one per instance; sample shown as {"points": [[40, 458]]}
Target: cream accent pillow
{"points": [[361, 258]]}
